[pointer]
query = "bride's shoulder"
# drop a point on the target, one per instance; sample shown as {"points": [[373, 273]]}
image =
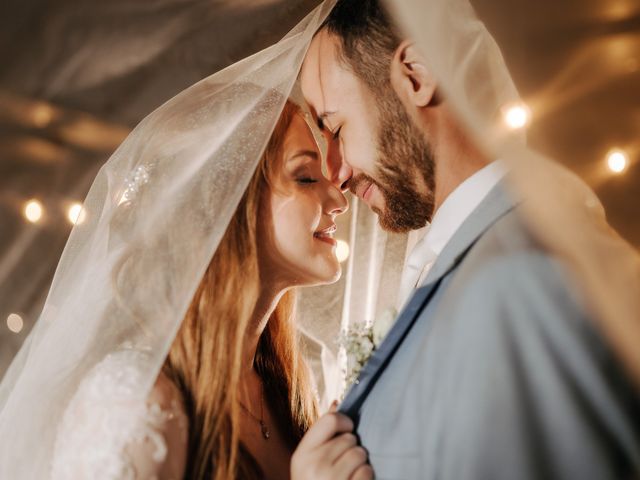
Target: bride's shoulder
{"points": [[113, 429], [163, 450]]}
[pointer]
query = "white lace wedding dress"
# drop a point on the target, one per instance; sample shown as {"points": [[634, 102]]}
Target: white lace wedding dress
{"points": [[110, 432]]}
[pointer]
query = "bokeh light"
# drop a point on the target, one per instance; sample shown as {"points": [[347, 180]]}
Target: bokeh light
{"points": [[516, 116], [342, 250], [15, 323], [42, 115], [617, 161], [76, 214], [33, 211]]}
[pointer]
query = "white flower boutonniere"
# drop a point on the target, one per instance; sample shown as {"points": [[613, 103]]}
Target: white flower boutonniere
{"points": [[360, 341]]}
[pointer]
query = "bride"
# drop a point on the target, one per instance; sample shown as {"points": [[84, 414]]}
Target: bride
{"points": [[167, 346], [233, 398]]}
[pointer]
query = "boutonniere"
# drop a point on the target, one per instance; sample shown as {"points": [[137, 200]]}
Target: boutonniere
{"points": [[359, 342]]}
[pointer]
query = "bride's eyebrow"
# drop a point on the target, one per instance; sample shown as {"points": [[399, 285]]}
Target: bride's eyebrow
{"points": [[304, 153]]}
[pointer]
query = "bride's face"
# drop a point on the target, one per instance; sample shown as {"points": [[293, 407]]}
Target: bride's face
{"points": [[297, 240]]}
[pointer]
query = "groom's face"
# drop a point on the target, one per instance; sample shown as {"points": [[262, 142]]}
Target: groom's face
{"points": [[374, 147]]}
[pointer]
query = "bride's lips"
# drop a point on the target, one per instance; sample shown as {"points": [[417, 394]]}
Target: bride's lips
{"points": [[326, 234]]}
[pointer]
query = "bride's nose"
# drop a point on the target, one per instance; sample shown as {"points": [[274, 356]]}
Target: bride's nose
{"points": [[335, 203]]}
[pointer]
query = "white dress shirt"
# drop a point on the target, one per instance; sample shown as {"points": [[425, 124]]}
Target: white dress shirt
{"points": [[427, 243]]}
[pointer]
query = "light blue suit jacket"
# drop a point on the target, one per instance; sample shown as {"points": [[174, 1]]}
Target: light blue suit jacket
{"points": [[501, 374]]}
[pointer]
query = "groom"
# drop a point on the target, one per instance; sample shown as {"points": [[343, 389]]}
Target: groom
{"points": [[495, 369]]}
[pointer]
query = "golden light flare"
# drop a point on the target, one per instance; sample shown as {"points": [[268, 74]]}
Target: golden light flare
{"points": [[91, 134], [516, 115], [617, 10], [617, 160]]}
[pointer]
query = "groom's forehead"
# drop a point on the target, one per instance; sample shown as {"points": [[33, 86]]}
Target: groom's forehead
{"points": [[321, 71]]}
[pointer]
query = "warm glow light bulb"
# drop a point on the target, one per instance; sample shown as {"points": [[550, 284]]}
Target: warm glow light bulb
{"points": [[617, 161], [76, 214], [33, 211], [15, 323], [342, 250], [516, 116]]}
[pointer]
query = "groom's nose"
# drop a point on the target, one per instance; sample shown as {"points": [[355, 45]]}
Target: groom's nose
{"points": [[339, 171]]}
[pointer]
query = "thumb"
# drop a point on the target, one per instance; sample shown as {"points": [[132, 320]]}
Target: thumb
{"points": [[334, 406]]}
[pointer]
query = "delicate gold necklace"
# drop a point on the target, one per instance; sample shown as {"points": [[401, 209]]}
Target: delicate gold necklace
{"points": [[263, 426]]}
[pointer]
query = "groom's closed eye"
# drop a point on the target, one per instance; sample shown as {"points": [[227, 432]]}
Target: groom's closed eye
{"points": [[322, 120]]}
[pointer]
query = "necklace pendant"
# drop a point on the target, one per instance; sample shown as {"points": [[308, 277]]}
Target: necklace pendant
{"points": [[265, 430]]}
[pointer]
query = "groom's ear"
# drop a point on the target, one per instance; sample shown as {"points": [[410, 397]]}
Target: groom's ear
{"points": [[410, 77]]}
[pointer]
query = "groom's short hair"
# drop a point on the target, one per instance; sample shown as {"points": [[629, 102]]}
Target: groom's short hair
{"points": [[368, 39]]}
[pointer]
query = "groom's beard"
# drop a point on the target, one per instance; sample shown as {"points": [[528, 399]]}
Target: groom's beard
{"points": [[405, 161]]}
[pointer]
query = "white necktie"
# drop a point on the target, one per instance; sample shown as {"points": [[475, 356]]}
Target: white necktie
{"points": [[416, 270]]}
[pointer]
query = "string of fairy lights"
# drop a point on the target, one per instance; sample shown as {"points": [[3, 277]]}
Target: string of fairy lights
{"points": [[518, 116], [515, 116], [34, 212]]}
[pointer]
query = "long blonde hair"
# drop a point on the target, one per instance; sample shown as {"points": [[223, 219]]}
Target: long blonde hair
{"points": [[205, 358]]}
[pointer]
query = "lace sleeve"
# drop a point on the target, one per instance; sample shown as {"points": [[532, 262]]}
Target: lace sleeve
{"points": [[109, 432]]}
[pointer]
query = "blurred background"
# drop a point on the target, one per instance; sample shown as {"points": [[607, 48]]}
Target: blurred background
{"points": [[77, 75]]}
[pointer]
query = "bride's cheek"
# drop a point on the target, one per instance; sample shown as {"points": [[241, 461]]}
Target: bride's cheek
{"points": [[306, 208]]}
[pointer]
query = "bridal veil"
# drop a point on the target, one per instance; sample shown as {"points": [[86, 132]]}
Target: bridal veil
{"points": [[152, 220]]}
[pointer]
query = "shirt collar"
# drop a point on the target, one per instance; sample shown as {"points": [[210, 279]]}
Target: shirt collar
{"points": [[459, 205]]}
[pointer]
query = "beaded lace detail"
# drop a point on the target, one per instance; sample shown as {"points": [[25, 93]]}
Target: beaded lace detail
{"points": [[109, 431]]}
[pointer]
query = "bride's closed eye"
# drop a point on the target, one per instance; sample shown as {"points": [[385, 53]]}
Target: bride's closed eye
{"points": [[304, 175], [306, 180], [304, 164]]}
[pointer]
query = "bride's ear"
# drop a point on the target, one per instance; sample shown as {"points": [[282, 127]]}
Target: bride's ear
{"points": [[410, 77]]}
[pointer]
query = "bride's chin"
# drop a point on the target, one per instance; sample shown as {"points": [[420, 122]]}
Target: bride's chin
{"points": [[327, 277], [334, 276]]}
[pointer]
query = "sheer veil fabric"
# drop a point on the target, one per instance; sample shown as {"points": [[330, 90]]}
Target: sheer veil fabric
{"points": [[153, 218], [562, 212]]}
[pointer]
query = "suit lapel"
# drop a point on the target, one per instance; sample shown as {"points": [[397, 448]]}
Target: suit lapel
{"points": [[384, 353], [495, 205]]}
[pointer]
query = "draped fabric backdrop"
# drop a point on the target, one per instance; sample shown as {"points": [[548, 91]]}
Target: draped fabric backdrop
{"points": [[76, 76]]}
